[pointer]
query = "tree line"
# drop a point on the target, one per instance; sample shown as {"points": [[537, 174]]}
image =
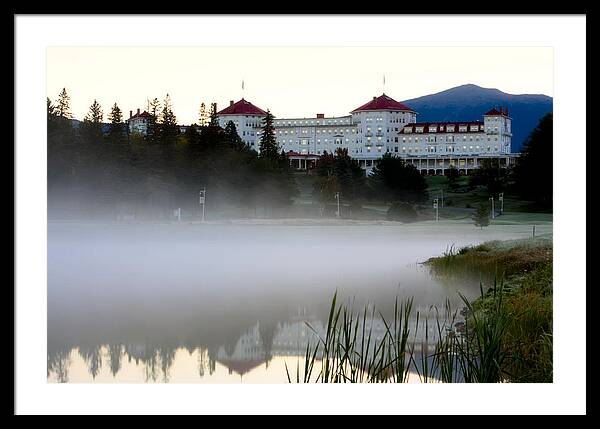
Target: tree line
{"points": [[100, 169]]}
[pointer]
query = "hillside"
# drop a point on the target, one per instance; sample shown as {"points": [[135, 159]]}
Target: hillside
{"points": [[470, 102]]}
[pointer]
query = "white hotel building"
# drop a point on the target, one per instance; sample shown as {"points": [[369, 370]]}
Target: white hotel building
{"points": [[381, 126]]}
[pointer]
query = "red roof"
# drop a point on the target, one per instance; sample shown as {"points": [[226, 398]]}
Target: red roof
{"points": [[383, 102], [242, 107], [442, 127], [241, 366], [495, 112], [144, 114]]}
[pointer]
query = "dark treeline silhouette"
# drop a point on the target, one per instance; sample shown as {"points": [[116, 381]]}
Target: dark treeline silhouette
{"points": [[533, 172], [394, 180], [101, 170], [339, 173], [531, 177], [391, 180]]}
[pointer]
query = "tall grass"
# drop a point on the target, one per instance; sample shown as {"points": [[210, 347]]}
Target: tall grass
{"points": [[351, 351], [505, 335]]}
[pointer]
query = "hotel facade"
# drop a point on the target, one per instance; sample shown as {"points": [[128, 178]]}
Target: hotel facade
{"points": [[382, 126]]}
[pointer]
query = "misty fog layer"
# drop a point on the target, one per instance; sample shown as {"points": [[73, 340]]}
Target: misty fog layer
{"points": [[194, 285]]}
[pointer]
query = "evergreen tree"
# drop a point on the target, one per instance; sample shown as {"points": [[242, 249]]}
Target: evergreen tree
{"points": [[395, 180], [231, 135], [204, 116], [153, 133], [116, 123], [533, 170], [481, 216], [93, 121], [51, 115], [63, 105], [214, 118], [192, 135], [168, 122], [268, 145], [62, 151], [491, 175], [453, 175], [339, 173]]}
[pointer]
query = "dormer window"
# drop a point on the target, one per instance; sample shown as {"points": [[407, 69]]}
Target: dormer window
{"points": [[450, 128], [432, 129]]}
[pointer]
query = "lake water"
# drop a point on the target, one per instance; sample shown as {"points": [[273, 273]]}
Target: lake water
{"points": [[222, 303]]}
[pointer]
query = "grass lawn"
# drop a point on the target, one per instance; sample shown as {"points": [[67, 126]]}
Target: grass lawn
{"points": [[463, 197], [458, 204]]}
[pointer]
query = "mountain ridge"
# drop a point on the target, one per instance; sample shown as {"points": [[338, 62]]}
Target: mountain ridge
{"points": [[469, 102]]}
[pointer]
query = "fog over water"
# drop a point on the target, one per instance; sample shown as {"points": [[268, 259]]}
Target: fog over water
{"points": [[201, 286]]}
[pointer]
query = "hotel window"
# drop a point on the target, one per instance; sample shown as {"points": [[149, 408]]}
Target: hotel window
{"points": [[396, 149]]}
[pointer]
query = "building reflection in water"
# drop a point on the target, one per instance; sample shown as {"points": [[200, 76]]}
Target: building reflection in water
{"points": [[256, 346]]}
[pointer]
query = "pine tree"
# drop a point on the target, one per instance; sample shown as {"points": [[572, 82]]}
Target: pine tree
{"points": [[116, 123], [533, 172], [51, 115], [153, 133], [231, 135], [395, 180], [214, 118], [268, 145], [63, 108], [93, 121], [204, 116], [481, 216], [452, 174], [192, 135], [95, 114], [168, 122]]}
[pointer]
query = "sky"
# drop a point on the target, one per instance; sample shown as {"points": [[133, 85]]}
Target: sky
{"points": [[290, 81]]}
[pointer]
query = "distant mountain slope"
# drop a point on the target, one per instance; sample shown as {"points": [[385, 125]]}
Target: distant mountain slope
{"points": [[470, 102]]}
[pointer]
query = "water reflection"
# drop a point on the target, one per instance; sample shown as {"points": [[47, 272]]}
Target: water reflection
{"points": [[192, 304], [256, 346]]}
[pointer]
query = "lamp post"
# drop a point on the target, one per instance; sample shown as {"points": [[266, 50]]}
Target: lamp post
{"points": [[435, 206], [337, 197], [501, 198], [201, 200], [492, 200]]}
